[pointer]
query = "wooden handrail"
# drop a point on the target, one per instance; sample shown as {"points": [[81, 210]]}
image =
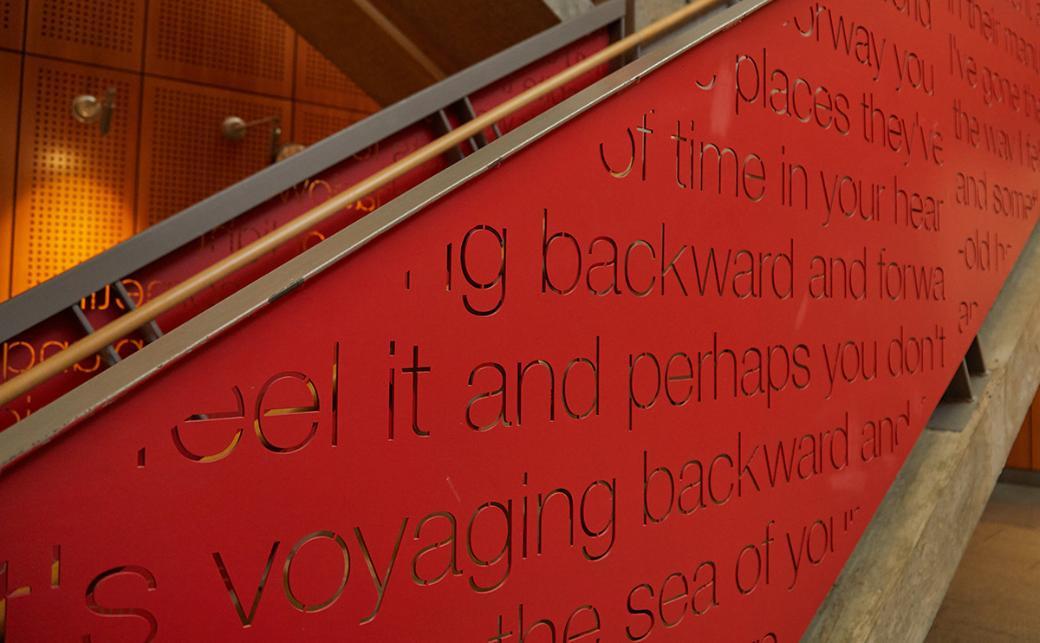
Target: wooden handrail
{"points": [[134, 319]]}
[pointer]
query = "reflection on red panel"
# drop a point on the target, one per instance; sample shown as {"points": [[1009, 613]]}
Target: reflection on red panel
{"points": [[190, 150], [535, 73], [245, 229], [647, 379]]}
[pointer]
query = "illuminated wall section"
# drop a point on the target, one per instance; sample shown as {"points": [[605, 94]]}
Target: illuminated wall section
{"points": [[75, 188], [10, 75]]}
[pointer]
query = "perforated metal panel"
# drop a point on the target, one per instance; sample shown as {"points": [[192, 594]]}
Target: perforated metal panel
{"points": [[75, 186], [12, 19], [314, 122], [109, 32], [230, 43], [184, 156], [319, 81], [10, 79]]}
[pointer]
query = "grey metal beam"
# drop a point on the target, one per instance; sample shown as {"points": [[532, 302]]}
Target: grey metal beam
{"points": [[109, 353], [959, 388], [974, 358], [58, 293]]}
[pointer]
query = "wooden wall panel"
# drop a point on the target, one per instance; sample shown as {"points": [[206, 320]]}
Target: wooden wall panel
{"points": [[75, 186], [398, 47], [107, 32], [10, 80], [12, 21], [239, 44], [1034, 435], [319, 81], [1021, 456], [313, 122], [1025, 452], [79, 193], [184, 155]]}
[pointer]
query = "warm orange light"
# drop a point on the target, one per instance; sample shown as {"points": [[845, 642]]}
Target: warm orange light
{"points": [[77, 210]]}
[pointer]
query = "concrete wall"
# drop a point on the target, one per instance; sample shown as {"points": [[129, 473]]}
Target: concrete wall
{"points": [[895, 580]]}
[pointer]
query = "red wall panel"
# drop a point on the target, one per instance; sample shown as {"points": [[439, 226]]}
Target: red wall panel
{"points": [[648, 378]]}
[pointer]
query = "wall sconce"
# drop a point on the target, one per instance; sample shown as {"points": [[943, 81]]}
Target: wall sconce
{"points": [[88, 109], [235, 128], [286, 150]]}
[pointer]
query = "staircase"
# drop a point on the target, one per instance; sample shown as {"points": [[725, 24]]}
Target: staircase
{"points": [[657, 362], [54, 314]]}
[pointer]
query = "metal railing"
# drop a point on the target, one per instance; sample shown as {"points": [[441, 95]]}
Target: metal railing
{"points": [[108, 268], [44, 425], [132, 320]]}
